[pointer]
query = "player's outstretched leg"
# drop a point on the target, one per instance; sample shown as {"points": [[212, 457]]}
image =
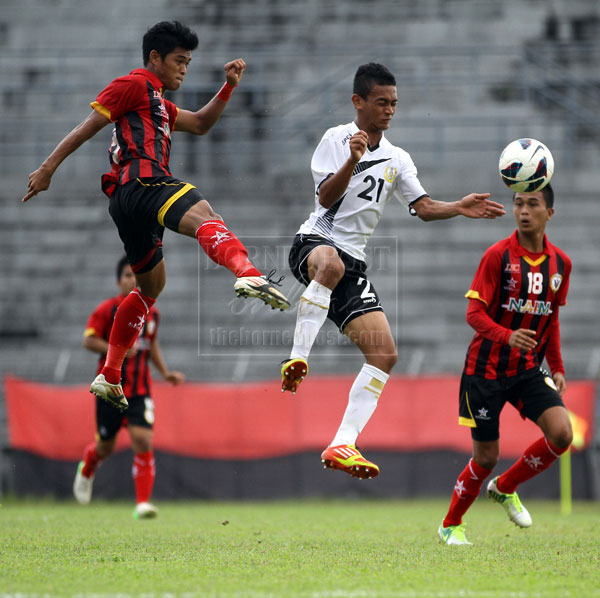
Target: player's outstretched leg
{"points": [[223, 247], [111, 393], [293, 371], [262, 287], [346, 457], [453, 535], [511, 503]]}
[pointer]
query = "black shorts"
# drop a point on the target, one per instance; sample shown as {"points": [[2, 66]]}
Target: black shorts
{"points": [[353, 296], [109, 419], [481, 400], [142, 208]]}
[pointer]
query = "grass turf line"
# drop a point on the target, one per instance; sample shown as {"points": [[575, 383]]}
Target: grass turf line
{"points": [[294, 549]]}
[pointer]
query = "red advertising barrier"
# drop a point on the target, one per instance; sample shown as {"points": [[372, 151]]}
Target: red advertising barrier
{"points": [[255, 420]]}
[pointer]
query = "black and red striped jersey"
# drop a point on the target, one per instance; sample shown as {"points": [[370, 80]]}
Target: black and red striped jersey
{"points": [[135, 374], [520, 290], [141, 141]]}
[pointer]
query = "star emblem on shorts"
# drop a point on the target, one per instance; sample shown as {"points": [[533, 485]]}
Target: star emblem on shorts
{"points": [[483, 412]]}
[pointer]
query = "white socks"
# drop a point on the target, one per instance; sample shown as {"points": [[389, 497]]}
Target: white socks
{"points": [[362, 401], [312, 313]]}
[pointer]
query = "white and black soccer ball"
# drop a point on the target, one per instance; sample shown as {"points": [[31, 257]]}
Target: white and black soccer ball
{"points": [[526, 165]]}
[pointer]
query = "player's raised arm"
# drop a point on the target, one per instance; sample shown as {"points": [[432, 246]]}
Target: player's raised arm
{"points": [[39, 180], [201, 121], [474, 205], [332, 188]]}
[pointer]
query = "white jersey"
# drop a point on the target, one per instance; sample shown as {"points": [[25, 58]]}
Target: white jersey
{"points": [[383, 172]]}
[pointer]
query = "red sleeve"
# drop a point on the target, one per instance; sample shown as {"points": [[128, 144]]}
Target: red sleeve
{"points": [[480, 321], [125, 94], [553, 353], [485, 281], [100, 321]]}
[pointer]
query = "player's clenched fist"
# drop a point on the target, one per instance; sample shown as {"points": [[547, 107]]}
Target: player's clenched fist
{"points": [[234, 70], [358, 144]]}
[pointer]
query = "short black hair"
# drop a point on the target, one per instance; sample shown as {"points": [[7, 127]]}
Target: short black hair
{"points": [[548, 195], [121, 266], [165, 36], [371, 74]]}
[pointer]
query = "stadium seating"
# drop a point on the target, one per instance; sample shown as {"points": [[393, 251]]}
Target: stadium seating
{"points": [[471, 77]]}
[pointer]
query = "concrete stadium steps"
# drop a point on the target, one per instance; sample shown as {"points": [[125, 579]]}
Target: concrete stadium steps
{"points": [[52, 289], [459, 105]]}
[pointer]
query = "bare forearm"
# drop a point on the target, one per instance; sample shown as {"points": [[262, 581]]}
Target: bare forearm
{"points": [[335, 186], [40, 179], [474, 205], [207, 116], [430, 209], [72, 141]]}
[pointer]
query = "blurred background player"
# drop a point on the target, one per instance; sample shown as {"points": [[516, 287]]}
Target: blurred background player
{"points": [[514, 301], [144, 196], [136, 380], [356, 172]]}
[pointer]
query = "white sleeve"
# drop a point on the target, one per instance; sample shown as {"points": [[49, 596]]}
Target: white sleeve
{"points": [[325, 160], [407, 186]]}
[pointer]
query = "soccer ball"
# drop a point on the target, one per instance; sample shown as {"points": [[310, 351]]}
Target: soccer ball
{"points": [[526, 165]]}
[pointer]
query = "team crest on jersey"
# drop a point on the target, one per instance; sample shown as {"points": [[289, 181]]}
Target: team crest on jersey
{"points": [[516, 268], [390, 173], [555, 282]]}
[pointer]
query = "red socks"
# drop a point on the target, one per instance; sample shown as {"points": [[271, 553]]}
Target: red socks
{"points": [[129, 321], [91, 460], [223, 247], [465, 492], [143, 472], [538, 457]]}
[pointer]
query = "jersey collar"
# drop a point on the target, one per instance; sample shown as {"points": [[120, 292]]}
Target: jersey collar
{"points": [[519, 250], [156, 82]]}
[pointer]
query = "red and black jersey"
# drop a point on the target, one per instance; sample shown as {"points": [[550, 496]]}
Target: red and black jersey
{"points": [[135, 374], [520, 290], [141, 142]]}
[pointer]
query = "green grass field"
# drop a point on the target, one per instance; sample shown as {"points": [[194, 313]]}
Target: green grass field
{"points": [[308, 549]]}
